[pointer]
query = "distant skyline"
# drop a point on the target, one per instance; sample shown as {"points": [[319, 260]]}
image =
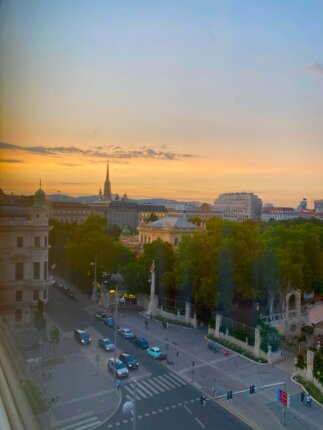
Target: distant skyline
{"points": [[186, 99]]}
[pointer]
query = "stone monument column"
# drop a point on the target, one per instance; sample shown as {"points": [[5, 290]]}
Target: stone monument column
{"points": [[151, 307]]}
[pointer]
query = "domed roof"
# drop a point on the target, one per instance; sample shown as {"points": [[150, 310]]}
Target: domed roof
{"points": [[126, 231], [40, 198]]}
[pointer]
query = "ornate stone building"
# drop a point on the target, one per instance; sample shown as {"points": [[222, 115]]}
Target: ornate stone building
{"points": [[24, 248], [168, 229]]}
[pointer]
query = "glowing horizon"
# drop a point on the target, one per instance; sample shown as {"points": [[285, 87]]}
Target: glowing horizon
{"points": [[186, 100]]}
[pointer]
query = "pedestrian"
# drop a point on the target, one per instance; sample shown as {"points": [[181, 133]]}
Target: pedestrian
{"points": [[302, 396], [308, 400], [146, 324], [118, 384]]}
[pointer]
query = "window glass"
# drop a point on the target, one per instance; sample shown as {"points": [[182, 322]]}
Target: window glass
{"points": [[19, 271], [45, 270], [37, 242], [36, 271], [36, 295], [20, 242], [18, 296]]}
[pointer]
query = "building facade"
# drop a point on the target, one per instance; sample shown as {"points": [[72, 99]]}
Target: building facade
{"points": [[318, 205], [69, 212], [278, 213], [125, 212], [168, 229], [238, 206], [24, 277]]}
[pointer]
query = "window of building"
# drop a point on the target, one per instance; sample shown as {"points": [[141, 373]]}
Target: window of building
{"points": [[36, 295], [20, 242], [37, 242], [45, 269], [36, 270], [19, 296], [19, 271], [46, 241], [45, 294], [18, 315]]}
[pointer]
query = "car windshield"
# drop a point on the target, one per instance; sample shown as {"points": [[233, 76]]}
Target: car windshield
{"points": [[107, 342]]}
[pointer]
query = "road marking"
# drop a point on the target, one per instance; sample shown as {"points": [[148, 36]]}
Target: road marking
{"points": [[148, 386], [139, 392], [163, 383], [89, 396], [188, 409], [180, 380], [82, 425], [156, 384], [201, 424], [170, 379]]}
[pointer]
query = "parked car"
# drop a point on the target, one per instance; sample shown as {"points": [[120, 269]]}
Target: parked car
{"points": [[126, 332], [100, 315], [82, 336], [129, 360], [109, 322], [118, 368], [154, 352], [141, 342], [106, 344]]}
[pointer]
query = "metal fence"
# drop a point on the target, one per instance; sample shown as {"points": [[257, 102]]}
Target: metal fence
{"points": [[239, 330]]}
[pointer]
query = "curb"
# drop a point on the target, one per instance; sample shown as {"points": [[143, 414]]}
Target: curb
{"points": [[304, 389]]}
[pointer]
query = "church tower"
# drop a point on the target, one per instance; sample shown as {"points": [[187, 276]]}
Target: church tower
{"points": [[107, 187]]}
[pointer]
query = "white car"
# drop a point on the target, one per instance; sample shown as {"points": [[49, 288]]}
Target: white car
{"points": [[126, 332], [118, 367]]}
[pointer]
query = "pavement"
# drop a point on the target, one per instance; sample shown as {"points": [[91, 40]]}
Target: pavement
{"points": [[192, 360], [82, 394]]}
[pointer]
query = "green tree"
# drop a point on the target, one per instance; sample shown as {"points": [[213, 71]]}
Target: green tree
{"points": [[39, 318], [54, 338]]}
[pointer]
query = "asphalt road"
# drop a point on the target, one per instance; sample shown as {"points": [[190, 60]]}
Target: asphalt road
{"points": [[163, 400]]}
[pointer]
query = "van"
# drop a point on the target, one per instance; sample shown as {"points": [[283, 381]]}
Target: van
{"points": [[82, 336]]}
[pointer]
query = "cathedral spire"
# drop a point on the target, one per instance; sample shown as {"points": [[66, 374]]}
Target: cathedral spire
{"points": [[107, 186]]}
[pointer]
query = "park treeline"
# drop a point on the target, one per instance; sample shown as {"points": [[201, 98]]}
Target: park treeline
{"points": [[225, 264]]}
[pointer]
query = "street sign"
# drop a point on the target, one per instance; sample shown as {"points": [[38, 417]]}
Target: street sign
{"points": [[283, 397]]}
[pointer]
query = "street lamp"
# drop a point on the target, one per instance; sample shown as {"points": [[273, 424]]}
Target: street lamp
{"points": [[129, 408], [115, 324], [93, 263]]}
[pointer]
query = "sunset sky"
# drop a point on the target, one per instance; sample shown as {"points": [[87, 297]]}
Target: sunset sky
{"points": [[186, 99]]}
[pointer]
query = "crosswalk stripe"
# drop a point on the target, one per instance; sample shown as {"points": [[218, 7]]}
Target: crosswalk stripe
{"points": [[139, 393], [146, 384], [82, 425], [157, 385], [179, 379], [172, 381], [143, 391], [167, 383], [163, 384]]}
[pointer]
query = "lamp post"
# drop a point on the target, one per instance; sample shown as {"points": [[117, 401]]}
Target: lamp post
{"points": [[115, 324], [129, 408], [93, 263]]}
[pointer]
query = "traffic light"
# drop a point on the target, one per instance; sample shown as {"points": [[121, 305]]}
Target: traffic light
{"points": [[252, 389], [229, 395]]}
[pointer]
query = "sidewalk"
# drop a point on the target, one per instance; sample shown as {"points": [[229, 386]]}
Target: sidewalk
{"points": [[261, 410]]}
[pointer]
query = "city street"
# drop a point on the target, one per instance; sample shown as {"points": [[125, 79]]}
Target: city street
{"points": [[86, 396]]}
